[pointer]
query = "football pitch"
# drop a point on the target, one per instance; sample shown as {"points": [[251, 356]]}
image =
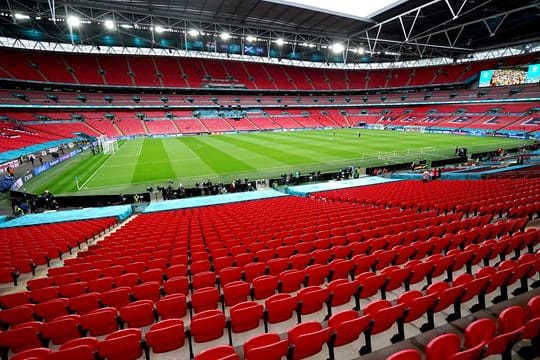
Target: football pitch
{"points": [[147, 162]]}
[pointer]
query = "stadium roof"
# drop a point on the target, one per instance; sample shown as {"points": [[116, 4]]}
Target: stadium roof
{"points": [[400, 31]]}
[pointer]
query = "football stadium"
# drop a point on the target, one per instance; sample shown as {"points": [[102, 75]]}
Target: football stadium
{"points": [[269, 179]]}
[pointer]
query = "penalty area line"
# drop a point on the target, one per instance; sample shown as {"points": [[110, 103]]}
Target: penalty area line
{"points": [[95, 172]]}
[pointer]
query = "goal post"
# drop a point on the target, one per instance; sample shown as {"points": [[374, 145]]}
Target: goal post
{"points": [[108, 146]]}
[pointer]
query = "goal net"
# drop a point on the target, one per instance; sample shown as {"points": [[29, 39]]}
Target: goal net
{"points": [[108, 146]]}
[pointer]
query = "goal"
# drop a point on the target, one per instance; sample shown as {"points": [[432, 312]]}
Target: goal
{"points": [[108, 146]]}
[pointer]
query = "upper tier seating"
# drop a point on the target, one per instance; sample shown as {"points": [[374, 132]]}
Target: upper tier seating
{"points": [[121, 70]]}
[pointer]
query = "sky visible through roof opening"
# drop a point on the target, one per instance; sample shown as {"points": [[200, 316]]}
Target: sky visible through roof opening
{"points": [[354, 8]]}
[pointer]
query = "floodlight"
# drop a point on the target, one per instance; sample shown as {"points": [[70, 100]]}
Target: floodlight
{"points": [[21, 16], [126, 26], [250, 38], [361, 51], [193, 32], [159, 29], [337, 48], [109, 24], [73, 21], [280, 42], [225, 36]]}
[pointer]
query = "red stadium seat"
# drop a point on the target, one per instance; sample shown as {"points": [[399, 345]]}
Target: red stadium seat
{"points": [[121, 345], [207, 325], [443, 347], [138, 313], [62, 329], [235, 292], [264, 286], [20, 339], [222, 352], [383, 316], [279, 308], [85, 303], [245, 316], [307, 339], [176, 285], [100, 322], [165, 336], [347, 326], [117, 297], [265, 346], [408, 354], [171, 307], [17, 315], [33, 354], [205, 299], [80, 352]]}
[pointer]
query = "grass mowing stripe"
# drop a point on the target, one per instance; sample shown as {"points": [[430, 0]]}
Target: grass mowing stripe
{"points": [[270, 156], [214, 157], [153, 150], [333, 147], [183, 160]]}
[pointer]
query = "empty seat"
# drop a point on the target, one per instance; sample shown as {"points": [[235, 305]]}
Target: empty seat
{"points": [[171, 307], [264, 286], [221, 352], [138, 314], [165, 336], [176, 285], [100, 322], [207, 325], [51, 309], [278, 308], [245, 316], [33, 354], [61, 329], [150, 290], [205, 299], [383, 315], [235, 292], [121, 345], [265, 346], [408, 354], [79, 352], [117, 297], [443, 347], [20, 339], [17, 315], [203, 279], [307, 339], [346, 328], [85, 303]]}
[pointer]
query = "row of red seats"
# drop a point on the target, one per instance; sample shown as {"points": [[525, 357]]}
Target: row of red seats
{"points": [[399, 249], [481, 338], [451, 195], [343, 327], [485, 337], [27, 247], [364, 283], [26, 341], [159, 71]]}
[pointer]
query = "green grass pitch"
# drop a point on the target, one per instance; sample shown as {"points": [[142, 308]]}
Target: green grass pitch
{"points": [[143, 162]]}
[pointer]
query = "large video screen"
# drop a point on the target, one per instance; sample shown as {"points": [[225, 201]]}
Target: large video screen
{"points": [[533, 75], [507, 77]]}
